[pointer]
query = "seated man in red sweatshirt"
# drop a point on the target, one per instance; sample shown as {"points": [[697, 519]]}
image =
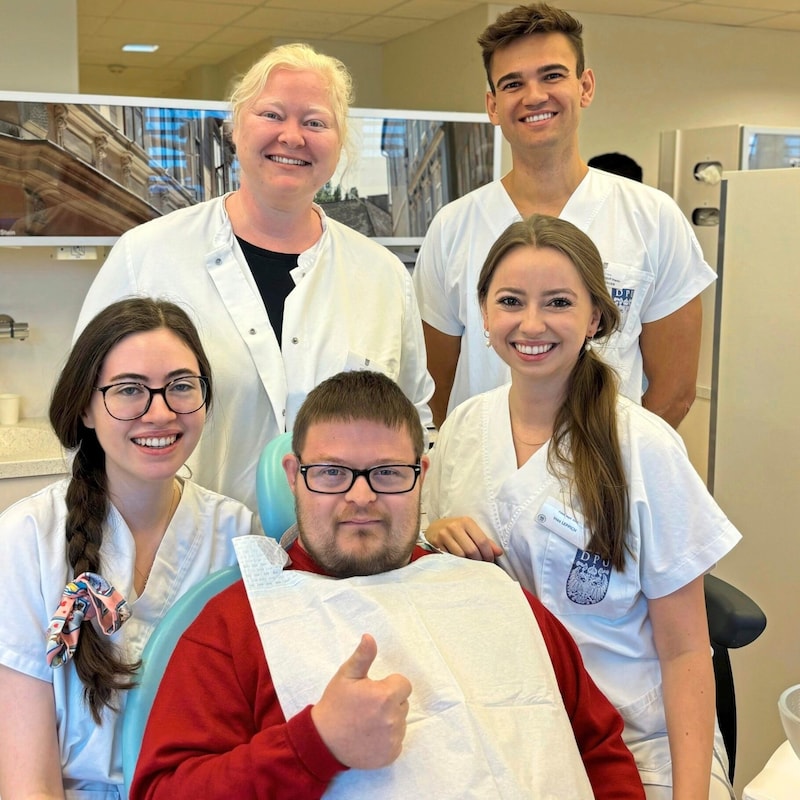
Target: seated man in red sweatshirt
{"points": [[349, 665]]}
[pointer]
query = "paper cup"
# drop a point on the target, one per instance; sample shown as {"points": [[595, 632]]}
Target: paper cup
{"points": [[9, 409]]}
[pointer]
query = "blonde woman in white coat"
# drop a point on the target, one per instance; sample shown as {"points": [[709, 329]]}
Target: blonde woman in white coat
{"points": [[283, 296]]}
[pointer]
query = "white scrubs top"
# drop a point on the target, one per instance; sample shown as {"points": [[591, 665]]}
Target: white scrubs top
{"points": [[653, 264], [35, 568], [677, 532]]}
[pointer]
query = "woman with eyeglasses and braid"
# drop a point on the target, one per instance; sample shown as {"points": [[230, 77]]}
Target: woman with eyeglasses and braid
{"points": [[117, 542]]}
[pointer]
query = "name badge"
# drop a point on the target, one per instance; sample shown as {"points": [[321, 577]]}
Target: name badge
{"points": [[589, 575], [556, 519]]}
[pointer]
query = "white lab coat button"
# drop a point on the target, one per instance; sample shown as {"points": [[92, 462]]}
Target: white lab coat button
{"points": [[252, 331], [217, 261], [295, 340]]}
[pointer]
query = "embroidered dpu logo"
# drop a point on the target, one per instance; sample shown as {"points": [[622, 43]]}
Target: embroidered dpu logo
{"points": [[623, 298], [587, 582]]}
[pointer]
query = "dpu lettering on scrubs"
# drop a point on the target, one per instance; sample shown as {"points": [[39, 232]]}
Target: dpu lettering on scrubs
{"points": [[623, 298]]}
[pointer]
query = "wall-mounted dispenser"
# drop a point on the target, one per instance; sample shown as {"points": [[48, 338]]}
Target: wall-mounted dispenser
{"points": [[12, 330]]}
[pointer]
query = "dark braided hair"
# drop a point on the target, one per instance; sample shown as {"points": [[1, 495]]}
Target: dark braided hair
{"points": [[100, 668]]}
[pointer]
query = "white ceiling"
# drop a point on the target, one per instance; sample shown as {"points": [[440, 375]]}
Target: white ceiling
{"points": [[192, 33]]}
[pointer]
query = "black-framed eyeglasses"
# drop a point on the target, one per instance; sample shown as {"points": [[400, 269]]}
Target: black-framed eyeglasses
{"points": [[382, 479], [129, 400]]}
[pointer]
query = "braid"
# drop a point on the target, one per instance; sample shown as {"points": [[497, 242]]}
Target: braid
{"points": [[100, 670], [98, 665], [86, 507], [586, 446]]}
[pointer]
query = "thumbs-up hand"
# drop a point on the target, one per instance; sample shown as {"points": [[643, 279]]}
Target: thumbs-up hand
{"points": [[362, 721]]}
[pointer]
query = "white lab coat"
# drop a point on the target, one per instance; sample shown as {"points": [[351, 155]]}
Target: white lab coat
{"points": [[353, 307]]}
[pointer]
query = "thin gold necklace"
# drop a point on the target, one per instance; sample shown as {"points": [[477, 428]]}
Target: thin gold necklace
{"points": [[531, 444], [522, 441]]}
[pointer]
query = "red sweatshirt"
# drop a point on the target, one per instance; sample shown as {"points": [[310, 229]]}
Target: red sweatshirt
{"points": [[216, 729]]}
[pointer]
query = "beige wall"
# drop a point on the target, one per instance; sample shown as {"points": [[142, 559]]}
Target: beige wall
{"points": [[48, 295], [39, 45], [363, 60], [437, 68], [654, 76]]}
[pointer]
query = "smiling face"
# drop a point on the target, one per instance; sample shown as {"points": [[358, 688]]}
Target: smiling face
{"points": [[538, 95], [358, 532], [287, 140], [539, 314], [155, 446]]}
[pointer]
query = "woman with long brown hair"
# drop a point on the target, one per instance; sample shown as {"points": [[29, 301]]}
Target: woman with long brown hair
{"points": [[589, 501], [117, 542]]}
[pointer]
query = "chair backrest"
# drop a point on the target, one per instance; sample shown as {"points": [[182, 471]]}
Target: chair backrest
{"points": [[155, 657], [734, 620], [275, 498], [276, 510]]}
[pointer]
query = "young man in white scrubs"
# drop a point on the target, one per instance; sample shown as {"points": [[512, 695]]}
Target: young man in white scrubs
{"points": [[355, 664], [538, 88]]}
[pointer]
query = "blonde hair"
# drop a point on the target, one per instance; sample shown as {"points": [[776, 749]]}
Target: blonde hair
{"points": [[300, 57]]}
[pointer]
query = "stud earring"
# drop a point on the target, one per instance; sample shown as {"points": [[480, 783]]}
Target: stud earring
{"points": [[589, 344]]}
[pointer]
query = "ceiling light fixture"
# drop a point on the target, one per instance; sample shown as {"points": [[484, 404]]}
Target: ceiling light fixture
{"points": [[140, 48]]}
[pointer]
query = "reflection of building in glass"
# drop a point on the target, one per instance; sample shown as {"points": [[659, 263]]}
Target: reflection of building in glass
{"points": [[773, 150], [430, 163], [367, 215], [98, 170], [189, 151], [94, 171]]}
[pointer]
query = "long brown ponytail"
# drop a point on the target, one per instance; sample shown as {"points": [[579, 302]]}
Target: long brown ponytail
{"points": [[584, 450]]}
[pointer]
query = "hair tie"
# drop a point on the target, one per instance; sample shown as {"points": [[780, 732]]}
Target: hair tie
{"points": [[84, 598]]}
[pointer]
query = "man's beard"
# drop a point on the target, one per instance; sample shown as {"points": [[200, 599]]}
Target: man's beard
{"points": [[394, 552]]}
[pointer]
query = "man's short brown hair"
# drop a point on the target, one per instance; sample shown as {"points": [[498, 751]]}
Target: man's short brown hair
{"points": [[523, 21], [355, 396]]}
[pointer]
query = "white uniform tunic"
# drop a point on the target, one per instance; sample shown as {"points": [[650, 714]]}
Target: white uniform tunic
{"points": [[653, 266], [676, 533], [35, 572], [353, 307]]}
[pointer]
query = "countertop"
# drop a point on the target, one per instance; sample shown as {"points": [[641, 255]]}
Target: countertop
{"points": [[30, 448]]}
